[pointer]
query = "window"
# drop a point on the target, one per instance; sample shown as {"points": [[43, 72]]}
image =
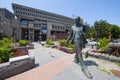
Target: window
{"points": [[23, 22], [37, 26], [44, 28], [53, 27], [36, 20]]}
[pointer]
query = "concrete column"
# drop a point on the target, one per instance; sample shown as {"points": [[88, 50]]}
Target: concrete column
{"points": [[49, 27], [19, 33], [31, 34], [19, 30]]}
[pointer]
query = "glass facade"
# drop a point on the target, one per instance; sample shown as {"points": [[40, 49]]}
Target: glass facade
{"points": [[37, 26], [24, 22], [44, 28]]}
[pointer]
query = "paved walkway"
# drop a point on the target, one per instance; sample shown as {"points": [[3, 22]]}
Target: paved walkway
{"points": [[56, 65], [44, 55]]}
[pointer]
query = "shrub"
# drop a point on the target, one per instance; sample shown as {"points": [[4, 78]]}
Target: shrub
{"points": [[5, 50], [5, 53], [70, 46], [50, 42], [62, 42], [5, 42], [113, 49], [103, 44], [70, 50], [23, 42]]}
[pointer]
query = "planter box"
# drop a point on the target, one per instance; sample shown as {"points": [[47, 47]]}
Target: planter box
{"points": [[16, 65], [104, 56], [28, 47]]}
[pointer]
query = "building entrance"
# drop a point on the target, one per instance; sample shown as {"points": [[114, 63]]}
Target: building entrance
{"points": [[25, 34], [36, 35]]}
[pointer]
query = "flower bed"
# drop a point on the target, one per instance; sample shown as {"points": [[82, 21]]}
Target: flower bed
{"points": [[113, 49], [14, 60], [20, 52], [64, 49], [104, 56], [62, 46]]}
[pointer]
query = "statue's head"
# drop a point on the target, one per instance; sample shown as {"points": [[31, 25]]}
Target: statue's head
{"points": [[78, 20]]}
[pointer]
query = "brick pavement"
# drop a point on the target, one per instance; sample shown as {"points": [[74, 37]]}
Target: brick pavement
{"points": [[62, 67]]}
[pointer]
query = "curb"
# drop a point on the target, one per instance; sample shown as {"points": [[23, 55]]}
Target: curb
{"points": [[104, 56]]}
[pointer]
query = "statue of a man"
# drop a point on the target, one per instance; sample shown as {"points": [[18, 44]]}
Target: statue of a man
{"points": [[77, 37]]}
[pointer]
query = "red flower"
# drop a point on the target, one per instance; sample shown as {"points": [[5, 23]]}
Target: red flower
{"points": [[21, 52], [95, 51]]}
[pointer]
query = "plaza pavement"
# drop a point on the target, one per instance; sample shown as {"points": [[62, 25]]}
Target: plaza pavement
{"points": [[52, 64]]}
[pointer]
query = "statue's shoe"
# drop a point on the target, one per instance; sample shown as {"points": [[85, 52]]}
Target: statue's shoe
{"points": [[76, 61], [87, 73]]}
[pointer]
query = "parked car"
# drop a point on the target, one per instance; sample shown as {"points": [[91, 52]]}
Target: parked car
{"points": [[91, 42]]}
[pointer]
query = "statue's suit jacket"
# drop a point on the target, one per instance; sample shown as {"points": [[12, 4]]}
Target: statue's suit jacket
{"points": [[77, 36]]}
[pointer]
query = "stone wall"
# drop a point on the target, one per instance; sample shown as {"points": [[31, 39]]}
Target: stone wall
{"points": [[16, 65]]}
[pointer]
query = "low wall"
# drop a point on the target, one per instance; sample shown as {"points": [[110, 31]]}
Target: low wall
{"points": [[16, 65], [104, 56], [28, 47]]}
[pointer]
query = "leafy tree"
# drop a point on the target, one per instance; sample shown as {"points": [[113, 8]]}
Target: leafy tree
{"points": [[115, 31], [91, 32], [102, 28]]}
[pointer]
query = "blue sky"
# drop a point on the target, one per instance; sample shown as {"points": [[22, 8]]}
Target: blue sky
{"points": [[89, 10]]}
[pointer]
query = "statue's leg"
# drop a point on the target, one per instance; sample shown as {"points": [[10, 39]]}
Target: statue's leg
{"points": [[76, 60], [80, 58], [79, 54]]}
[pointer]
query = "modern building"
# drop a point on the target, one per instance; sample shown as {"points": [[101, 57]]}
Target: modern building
{"points": [[35, 23], [6, 18]]}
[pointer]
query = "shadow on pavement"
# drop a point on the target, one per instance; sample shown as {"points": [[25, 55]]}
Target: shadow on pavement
{"points": [[37, 65], [90, 63]]}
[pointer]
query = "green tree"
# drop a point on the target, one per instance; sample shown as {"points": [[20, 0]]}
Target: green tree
{"points": [[102, 27], [91, 32], [115, 31]]}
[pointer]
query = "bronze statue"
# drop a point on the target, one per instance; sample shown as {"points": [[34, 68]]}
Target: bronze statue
{"points": [[77, 37]]}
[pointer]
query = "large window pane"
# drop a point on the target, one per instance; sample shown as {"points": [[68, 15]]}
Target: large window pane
{"points": [[24, 23], [37, 26], [44, 28]]}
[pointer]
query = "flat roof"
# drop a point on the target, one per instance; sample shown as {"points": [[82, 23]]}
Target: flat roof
{"points": [[49, 13]]}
